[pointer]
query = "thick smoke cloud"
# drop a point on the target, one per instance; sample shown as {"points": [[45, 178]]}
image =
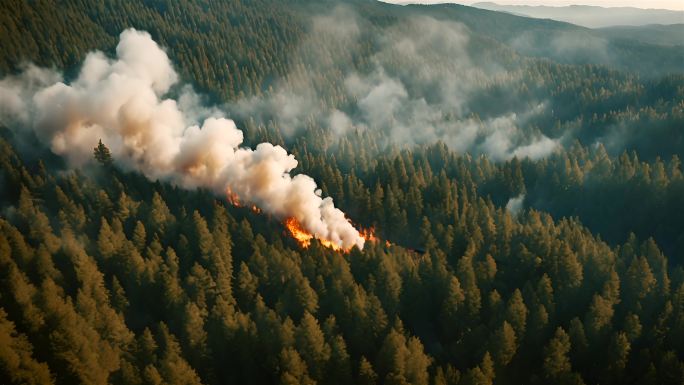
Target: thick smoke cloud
{"points": [[121, 101], [419, 87]]}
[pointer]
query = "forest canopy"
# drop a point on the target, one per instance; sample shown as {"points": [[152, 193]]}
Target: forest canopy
{"points": [[522, 202]]}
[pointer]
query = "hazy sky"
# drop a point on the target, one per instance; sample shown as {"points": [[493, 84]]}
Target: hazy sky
{"points": [[663, 4]]}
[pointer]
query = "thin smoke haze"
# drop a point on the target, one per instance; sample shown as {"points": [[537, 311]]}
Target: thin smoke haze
{"points": [[409, 92]]}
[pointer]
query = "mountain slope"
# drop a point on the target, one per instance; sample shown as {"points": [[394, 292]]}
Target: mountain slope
{"points": [[285, 24], [670, 35], [591, 16], [562, 42]]}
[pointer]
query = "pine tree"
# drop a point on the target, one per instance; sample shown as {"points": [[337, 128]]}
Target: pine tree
{"points": [[102, 154], [557, 367], [367, 375], [311, 344], [504, 344], [556, 361], [139, 236], [293, 369], [516, 313], [17, 364]]}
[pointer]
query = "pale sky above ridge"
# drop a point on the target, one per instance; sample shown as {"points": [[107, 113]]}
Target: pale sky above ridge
{"points": [[658, 4]]}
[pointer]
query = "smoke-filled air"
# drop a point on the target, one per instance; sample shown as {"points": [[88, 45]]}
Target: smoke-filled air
{"points": [[123, 103], [409, 91]]}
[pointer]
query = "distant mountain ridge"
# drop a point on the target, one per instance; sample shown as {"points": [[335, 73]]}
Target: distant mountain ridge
{"points": [[642, 49], [671, 35], [591, 16]]}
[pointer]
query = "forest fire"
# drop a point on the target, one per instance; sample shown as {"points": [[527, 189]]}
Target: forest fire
{"points": [[232, 198], [298, 233], [368, 234], [303, 237]]}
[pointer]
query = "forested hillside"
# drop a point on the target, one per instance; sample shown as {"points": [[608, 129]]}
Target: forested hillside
{"points": [[526, 210]]}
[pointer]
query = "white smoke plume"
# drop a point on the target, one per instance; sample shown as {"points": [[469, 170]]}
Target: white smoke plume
{"points": [[122, 102], [514, 205]]}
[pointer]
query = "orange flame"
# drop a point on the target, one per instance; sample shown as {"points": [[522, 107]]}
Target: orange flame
{"points": [[368, 234], [332, 245], [298, 233], [304, 237]]}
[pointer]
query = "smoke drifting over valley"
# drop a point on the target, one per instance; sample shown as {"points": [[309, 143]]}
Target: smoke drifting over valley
{"points": [[418, 87], [122, 102]]}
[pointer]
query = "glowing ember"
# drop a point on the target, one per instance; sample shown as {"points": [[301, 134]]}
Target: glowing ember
{"points": [[232, 197], [234, 200]]}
